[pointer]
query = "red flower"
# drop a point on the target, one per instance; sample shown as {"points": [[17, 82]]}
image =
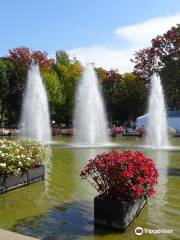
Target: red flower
{"points": [[128, 173], [142, 180], [124, 175], [137, 190]]}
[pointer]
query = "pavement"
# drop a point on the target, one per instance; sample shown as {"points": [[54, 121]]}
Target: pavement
{"points": [[7, 235]]}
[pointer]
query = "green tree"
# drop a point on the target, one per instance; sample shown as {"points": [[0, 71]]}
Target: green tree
{"points": [[111, 88], [134, 96], [4, 89], [125, 95], [69, 72], [9, 87], [101, 73], [54, 88], [54, 91]]}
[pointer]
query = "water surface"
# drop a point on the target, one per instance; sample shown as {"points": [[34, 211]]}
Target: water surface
{"points": [[62, 206]]}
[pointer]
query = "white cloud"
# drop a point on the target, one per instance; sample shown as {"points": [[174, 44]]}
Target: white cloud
{"points": [[104, 57], [140, 34], [137, 36]]}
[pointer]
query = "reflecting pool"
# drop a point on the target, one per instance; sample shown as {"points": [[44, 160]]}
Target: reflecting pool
{"points": [[61, 207]]}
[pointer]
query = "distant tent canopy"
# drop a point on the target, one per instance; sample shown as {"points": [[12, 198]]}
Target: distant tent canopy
{"points": [[173, 120]]}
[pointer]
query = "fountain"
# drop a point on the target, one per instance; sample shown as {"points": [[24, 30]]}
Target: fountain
{"points": [[157, 136], [35, 123], [90, 117]]}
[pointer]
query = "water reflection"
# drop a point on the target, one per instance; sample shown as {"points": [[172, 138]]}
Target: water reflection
{"points": [[161, 203], [158, 203], [82, 186], [65, 221], [48, 169]]}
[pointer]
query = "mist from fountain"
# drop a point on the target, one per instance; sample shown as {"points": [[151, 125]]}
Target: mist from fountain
{"points": [[157, 136], [90, 118], [35, 120]]}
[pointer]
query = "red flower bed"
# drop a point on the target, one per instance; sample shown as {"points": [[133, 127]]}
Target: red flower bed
{"points": [[127, 175]]}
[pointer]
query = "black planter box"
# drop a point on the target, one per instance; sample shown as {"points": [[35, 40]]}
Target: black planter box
{"points": [[115, 213], [9, 182], [12, 180], [2, 182], [35, 174]]}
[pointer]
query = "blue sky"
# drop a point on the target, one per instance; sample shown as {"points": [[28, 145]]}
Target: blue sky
{"points": [[92, 30]]}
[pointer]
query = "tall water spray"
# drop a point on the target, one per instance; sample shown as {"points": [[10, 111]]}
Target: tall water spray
{"points": [[157, 123], [90, 117], [35, 122]]}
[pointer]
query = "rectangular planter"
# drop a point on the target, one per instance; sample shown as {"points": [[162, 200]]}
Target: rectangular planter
{"points": [[35, 174], [2, 182], [115, 213], [9, 182], [12, 180]]}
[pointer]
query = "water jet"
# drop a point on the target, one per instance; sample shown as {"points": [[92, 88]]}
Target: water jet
{"points": [[157, 135], [35, 121], [90, 118]]}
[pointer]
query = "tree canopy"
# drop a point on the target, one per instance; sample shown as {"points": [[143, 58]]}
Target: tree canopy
{"points": [[125, 95], [163, 57], [68, 72]]}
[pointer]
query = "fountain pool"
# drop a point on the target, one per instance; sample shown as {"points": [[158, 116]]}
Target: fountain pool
{"points": [[61, 207]]}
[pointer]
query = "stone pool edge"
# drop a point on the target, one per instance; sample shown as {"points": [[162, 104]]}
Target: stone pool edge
{"points": [[7, 235]]}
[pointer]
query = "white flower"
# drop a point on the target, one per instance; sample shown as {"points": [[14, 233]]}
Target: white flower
{"points": [[3, 164]]}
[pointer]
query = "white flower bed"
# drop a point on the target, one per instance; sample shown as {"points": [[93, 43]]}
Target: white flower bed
{"points": [[20, 155]]}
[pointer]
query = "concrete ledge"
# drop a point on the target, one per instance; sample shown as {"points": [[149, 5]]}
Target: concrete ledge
{"points": [[7, 235]]}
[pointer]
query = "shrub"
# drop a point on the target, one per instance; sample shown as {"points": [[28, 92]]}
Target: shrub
{"points": [[126, 175], [17, 156]]}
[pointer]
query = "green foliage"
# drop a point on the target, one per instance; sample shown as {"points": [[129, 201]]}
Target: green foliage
{"points": [[55, 94], [4, 83], [69, 72], [62, 58], [17, 156], [125, 95], [101, 73], [54, 88], [3, 79], [9, 88], [134, 95]]}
